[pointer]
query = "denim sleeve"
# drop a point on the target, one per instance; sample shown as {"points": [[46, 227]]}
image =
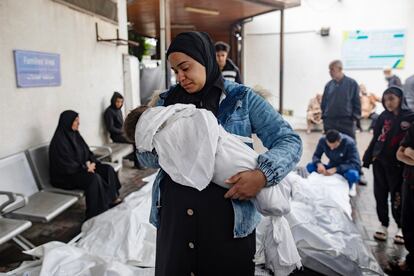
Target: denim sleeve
{"points": [[148, 159], [285, 146]]}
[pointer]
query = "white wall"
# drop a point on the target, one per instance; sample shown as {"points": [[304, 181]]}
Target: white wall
{"points": [[307, 55], [90, 71]]}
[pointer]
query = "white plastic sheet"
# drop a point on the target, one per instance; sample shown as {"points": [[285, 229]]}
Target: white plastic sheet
{"points": [[327, 240], [60, 259], [113, 244], [123, 233]]}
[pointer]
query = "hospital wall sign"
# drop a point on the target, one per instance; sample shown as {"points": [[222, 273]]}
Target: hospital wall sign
{"points": [[374, 49], [37, 69]]}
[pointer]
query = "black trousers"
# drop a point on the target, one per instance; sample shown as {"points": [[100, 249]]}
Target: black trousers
{"points": [[196, 234], [387, 180], [407, 222], [343, 125], [118, 138], [101, 188]]}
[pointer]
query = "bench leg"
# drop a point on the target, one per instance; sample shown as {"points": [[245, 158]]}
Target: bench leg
{"points": [[23, 242]]}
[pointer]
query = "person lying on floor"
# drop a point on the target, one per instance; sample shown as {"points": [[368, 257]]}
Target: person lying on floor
{"points": [[343, 158], [195, 150], [73, 166]]}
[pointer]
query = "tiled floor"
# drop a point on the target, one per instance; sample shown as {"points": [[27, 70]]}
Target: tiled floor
{"points": [[67, 225]]}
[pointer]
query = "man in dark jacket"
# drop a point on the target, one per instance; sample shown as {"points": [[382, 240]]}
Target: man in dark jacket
{"points": [[228, 69], [409, 91], [343, 157], [114, 119], [341, 105], [392, 79]]}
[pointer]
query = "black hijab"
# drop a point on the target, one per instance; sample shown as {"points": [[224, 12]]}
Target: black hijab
{"points": [[68, 152], [198, 45]]}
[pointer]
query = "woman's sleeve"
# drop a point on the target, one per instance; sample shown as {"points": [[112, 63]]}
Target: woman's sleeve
{"points": [[148, 159], [66, 165], [284, 145]]}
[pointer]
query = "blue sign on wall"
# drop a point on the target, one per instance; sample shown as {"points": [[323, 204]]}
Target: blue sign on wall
{"points": [[35, 69]]}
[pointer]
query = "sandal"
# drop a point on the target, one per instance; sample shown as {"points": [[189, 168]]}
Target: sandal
{"points": [[382, 234]]}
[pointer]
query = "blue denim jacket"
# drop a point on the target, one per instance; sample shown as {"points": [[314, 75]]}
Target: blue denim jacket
{"points": [[243, 112]]}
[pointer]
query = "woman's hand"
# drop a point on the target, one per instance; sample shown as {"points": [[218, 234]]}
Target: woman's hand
{"points": [[245, 184], [91, 166], [331, 171], [409, 152]]}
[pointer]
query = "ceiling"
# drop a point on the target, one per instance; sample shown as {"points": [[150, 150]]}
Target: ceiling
{"points": [[144, 15]]}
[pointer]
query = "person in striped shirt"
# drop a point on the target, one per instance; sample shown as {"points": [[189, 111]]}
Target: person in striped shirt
{"points": [[228, 69]]}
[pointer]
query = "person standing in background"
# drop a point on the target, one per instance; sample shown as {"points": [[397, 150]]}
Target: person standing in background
{"points": [[392, 79], [228, 69], [409, 91], [341, 105]]}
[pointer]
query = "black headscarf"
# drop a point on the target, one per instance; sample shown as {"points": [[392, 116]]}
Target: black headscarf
{"points": [[68, 152], [397, 91], [198, 45]]}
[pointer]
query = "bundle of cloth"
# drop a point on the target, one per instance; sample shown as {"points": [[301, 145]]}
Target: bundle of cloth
{"points": [[118, 242], [320, 220], [195, 151]]}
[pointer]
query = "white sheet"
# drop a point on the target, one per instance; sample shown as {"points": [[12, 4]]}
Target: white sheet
{"points": [[320, 219], [326, 238]]}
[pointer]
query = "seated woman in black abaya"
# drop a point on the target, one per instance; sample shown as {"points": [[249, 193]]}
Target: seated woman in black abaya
{"points": [[73, 166]]}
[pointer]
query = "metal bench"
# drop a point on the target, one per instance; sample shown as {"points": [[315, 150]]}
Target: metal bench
{"points": [[39, 161], [10, 229], [16, 176], [114, 152]]}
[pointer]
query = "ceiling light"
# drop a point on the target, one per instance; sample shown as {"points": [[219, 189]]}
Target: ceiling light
{"points": [[202, 11], [182, 26]]}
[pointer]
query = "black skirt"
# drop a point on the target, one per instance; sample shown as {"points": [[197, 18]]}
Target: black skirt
{"points": [[195, 236], [101, 188]]}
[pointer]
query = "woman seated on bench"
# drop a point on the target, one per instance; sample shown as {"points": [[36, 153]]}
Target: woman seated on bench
{"points": [[73, 166]]}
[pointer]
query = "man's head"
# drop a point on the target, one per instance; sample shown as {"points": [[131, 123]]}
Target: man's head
{"points": [[131, 122], [333, 138], [222, 51], [387, 72], [335, 70]]}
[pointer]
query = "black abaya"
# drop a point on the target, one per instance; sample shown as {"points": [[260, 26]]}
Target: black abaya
{"points": [[195, 235], [68, 154]]}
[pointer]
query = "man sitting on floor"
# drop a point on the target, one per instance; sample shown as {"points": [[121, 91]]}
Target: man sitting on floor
{"points": [[343, 158]]}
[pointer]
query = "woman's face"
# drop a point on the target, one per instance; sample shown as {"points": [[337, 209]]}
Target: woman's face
{"points": [[75, 124], [190, 74], [391, 102]]}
